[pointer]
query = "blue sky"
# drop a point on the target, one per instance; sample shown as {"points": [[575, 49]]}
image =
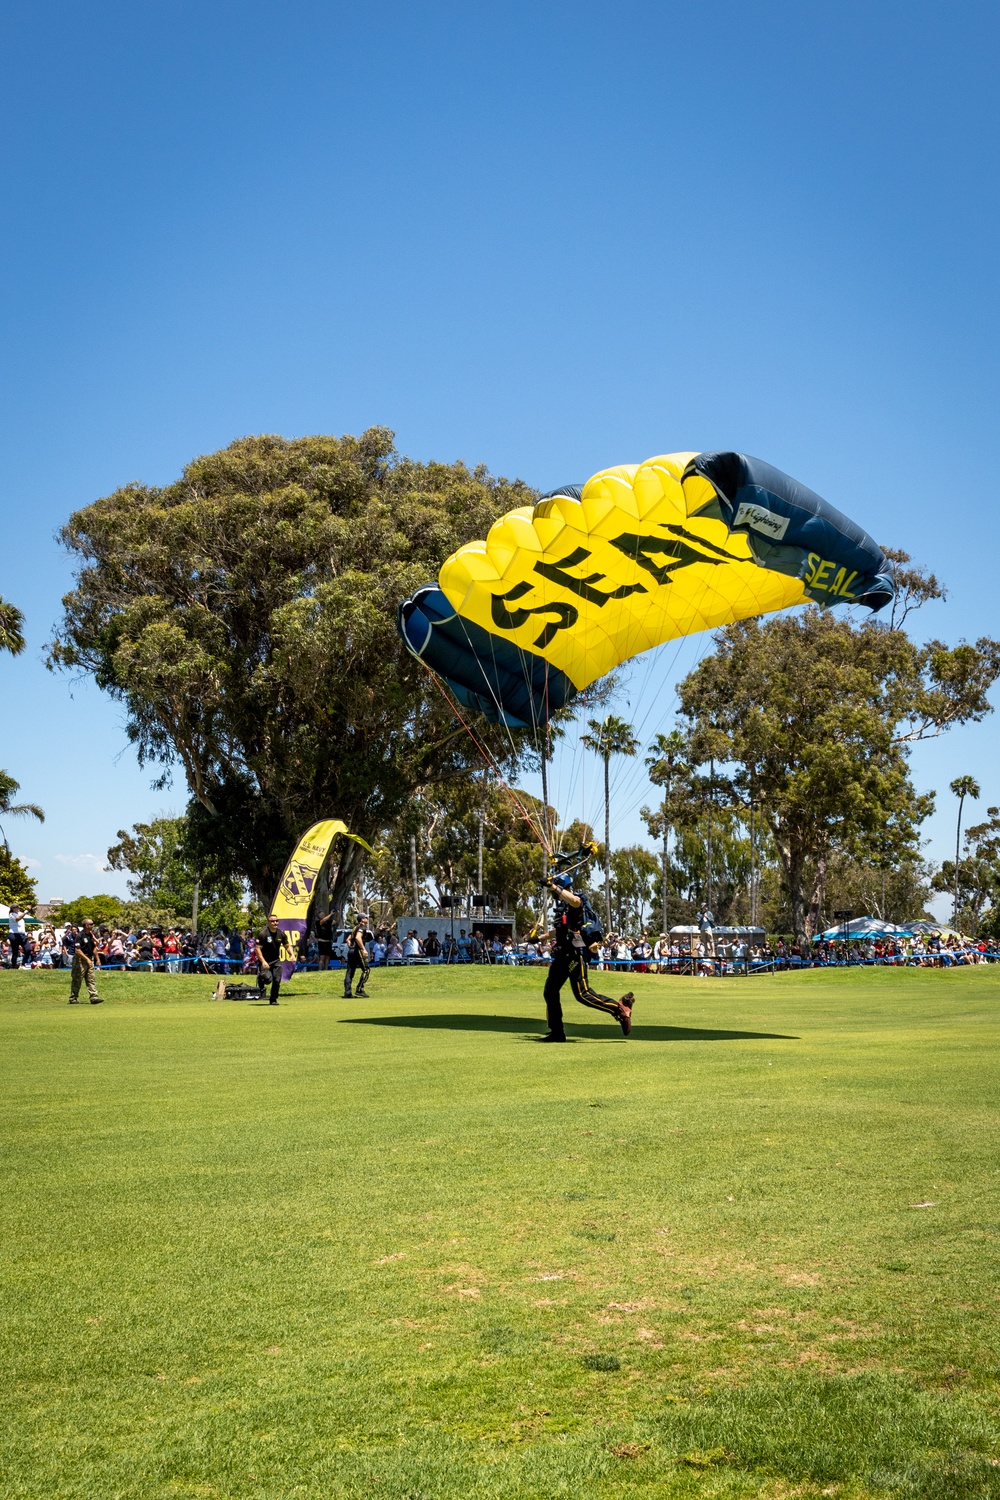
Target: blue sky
{"points": [[546, 237]]}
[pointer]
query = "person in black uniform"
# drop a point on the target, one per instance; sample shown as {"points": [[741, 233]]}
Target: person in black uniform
{"points": [[357, 957], [576, 936], [270, 944], [324, 940], [432, 948]]}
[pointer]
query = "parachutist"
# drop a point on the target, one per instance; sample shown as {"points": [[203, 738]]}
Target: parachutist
{"points": [[577, 935]]}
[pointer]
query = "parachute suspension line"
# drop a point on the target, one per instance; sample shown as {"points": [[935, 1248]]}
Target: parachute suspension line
{"points": [[545, 836], [484, 752], [547, 842], [630, 785], [502, 719], [628, 781], [546, 751], [628, 778], [583, 771]]}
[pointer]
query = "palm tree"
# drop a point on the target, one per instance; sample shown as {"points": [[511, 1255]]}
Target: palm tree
{"points": [[609, 736], [9, 789], [11, 621], [962, 786], [665, 762]]}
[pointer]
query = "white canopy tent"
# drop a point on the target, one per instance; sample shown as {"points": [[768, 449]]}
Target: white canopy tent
{"points": [[860, 927]]}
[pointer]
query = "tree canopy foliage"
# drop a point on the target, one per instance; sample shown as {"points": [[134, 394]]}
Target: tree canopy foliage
{"points": [[444, 823], [166, 875], [245, 618], [16, 882], [102, 909], [814, 715], [914, 587], [977, 879], [11, 628], [635, 875], [9, 789]]}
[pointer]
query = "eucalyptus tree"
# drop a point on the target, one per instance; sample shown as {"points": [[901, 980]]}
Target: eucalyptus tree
{"points": [[814, 716], [245, 618]]}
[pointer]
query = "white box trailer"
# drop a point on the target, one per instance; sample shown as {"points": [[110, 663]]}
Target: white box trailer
{"points": [[441, 924]]}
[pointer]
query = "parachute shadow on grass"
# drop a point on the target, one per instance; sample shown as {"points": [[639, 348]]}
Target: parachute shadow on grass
{"points": [[529, 1029]]}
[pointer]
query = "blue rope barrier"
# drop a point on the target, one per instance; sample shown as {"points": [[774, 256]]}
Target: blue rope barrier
{"points": [[205, 965]]}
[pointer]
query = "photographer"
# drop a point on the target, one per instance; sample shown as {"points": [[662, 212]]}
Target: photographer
{"points": [[17, 932], [575, 938]]}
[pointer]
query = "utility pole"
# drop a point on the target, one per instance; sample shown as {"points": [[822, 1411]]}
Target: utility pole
{"points": [[607, 840], [451, 919], [547, 831], [753, 864], [479, 864], [711, 805], [413, 874], [666, 855]]}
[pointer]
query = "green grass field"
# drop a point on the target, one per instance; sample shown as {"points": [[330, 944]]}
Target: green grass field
{"points": [[397, 1249]]}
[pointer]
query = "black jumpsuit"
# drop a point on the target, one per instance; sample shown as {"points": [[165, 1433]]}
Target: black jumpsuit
{"points": [[570, 962], [356, 961]]}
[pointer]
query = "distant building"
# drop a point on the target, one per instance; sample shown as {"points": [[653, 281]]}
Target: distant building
{"points": [[46, 911]]}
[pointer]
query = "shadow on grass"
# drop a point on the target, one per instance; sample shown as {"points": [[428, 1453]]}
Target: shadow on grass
{"points": [[528, 1029]]}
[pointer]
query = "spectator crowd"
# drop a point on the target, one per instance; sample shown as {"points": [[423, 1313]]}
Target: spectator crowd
{"points": [[175, 951], [52, 946]]}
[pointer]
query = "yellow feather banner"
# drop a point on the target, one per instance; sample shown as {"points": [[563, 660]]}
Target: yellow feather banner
{"points": [[298, 883]]}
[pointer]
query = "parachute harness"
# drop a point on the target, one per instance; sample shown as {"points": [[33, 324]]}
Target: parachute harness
{"points": [[569, 864]]}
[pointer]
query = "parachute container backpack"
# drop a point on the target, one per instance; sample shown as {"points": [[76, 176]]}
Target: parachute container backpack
{"points": [[561, 592]]}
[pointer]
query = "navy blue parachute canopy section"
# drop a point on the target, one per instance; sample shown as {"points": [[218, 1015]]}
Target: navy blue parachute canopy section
{"points": [[793, 530], [483, 671], [563, 592]]}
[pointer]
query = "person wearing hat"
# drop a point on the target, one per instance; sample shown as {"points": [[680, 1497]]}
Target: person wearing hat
{"points": [[271, 946], [357, 957], [86, 958], [576, 936], [18, 935]]}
